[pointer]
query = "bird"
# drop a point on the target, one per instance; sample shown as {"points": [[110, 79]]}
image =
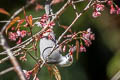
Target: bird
{"points": [[56, 57]]}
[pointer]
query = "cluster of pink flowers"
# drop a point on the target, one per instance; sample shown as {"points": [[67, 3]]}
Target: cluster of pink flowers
{"points": [[28, 74], [114, 9], [13, 36], [17, 35], [97, 10], [21, 33], [87, 37], [44, 19], [82, 48]]}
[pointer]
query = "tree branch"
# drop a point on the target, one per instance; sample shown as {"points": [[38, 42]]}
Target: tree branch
{"points": [[12, 58], [116, 76], [7, 70]]}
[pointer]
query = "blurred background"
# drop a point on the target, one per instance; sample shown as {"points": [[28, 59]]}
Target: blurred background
{"points": [[102, 59]]}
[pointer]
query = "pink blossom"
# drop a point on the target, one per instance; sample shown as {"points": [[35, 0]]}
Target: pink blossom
{"points": [[99, 7], [49, 30], [43, 20], [23, 33], [71, 51], [43, 24], [89, 30], [51, 24], [92, 37], [18, 32], [118, 10], [27, 74], [45, 16], [110, 2], [13, 36], [82, 48], [19, 41], [112, 10], [96, 14], [87, 43], [13, 28], [88, 35], [50, 37], [37, 78], [64, 48]]}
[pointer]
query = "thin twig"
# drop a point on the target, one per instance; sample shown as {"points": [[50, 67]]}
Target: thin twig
{"points": [[58, 13], [78, 1], [7, 70], [16, 51], [99, 1], [32, 57], [116, 76], [36, 18], [74, 7]]}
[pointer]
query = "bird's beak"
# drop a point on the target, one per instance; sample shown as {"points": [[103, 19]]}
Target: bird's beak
{"points": [[71, 53]]}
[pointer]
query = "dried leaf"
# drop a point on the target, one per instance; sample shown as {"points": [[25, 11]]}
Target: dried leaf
{"points": [[56, 72], [27, 19], [11, 23], [30, 20], [24, 12], [49, 70], [19, 23], [35, 70], [77, 49], [65, 27], [4, 12]]}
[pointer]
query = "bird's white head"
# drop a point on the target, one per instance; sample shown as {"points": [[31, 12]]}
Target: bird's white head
{"points": [[69, 58], [66, 60]]}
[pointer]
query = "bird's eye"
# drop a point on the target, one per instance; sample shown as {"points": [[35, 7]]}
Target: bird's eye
{"points": [[68, 55]]}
